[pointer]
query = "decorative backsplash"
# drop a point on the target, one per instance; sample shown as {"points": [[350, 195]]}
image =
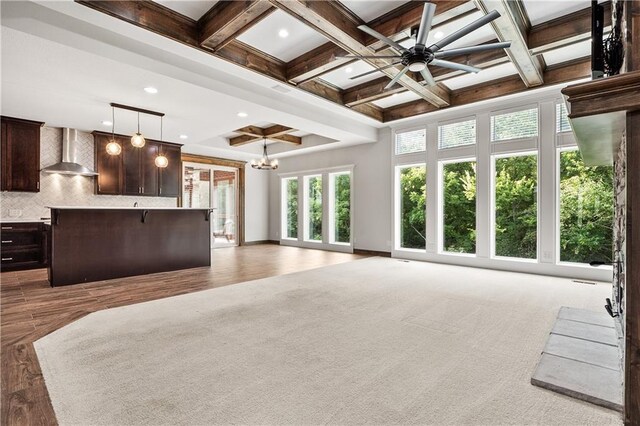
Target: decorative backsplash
{"points": [[62, 190]]}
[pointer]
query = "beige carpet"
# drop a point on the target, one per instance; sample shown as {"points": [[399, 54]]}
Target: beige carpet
{"points": [[371, 341]]}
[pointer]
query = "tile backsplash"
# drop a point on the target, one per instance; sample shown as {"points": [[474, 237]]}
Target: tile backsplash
{"points": [[61, 190]]}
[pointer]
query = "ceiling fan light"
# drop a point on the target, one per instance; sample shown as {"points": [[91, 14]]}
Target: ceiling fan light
{"points": [[417, 66], [137, 140], [113, 148]]}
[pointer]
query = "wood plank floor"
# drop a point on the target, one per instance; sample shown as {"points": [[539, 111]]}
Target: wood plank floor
{"points": [[30, 309]]}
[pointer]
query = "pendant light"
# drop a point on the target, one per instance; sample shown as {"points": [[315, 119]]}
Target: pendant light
{"points": [[113, 147], [161, 160], [265, 163], [137, 140]]}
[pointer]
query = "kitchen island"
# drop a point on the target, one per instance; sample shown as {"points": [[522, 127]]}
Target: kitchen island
{"points": [[100, 243]]}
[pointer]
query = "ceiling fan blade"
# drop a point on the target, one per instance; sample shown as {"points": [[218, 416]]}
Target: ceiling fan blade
{"points": [[426, 74], [382, 38], [454, 65], [396, 78], [472, 49], [464, 31], [425, 23], [374, 71], [367, 56]]}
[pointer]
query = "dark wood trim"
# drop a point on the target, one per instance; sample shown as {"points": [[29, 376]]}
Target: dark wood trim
{"points": [[228, 19], [255, 243], [565, 30], [244, 140], [22, 120], [216, 161], [632, 281], [365, 252], [132, 108]]}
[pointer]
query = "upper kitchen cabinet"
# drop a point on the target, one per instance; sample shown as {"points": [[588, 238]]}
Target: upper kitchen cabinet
{"points": [[133, 171], [20, 155]]}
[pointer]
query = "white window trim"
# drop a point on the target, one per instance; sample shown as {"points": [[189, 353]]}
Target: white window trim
{"points": [[284, 231], [395, 134], [511, 110], [397, 207]]}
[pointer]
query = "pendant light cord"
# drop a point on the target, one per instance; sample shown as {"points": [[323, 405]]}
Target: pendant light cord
{"points": [[113, 123], [138, 122]]}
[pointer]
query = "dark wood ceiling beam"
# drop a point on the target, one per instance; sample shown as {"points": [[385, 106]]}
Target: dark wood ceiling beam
{"points": [[564, 31], [227, 19], [337, 25], [243, 140], [561, 73], [277, 130], [255, 131], [373, 90], [395, 24], [513, 25], [295, 140]]}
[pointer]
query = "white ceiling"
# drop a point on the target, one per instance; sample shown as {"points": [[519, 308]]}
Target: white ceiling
{"points": [[368, 10], [341, 77], [397, 99], [488, 74], [544, 10], [563, 54], [194, 9], [264, 36]]}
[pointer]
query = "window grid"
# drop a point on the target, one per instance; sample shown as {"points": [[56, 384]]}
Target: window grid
{"points": [[514, 125], [412, 141], [457, 134]]}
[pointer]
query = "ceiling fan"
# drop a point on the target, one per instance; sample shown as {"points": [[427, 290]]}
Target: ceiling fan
{"points": [[419, 57]]}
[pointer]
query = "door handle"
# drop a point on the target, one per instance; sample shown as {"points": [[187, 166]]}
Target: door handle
{"points": [[7, 241], [7, 258], [7, 227]]}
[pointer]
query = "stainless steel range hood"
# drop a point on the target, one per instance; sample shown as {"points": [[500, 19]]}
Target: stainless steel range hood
{"points": [[69, 164]]}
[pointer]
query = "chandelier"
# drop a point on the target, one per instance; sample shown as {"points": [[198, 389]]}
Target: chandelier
{"points": [[265, 163]]}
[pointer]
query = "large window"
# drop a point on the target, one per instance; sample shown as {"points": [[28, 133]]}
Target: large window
{"points": [[516, 206], [586, 210], [340, 191], [291, 207], [412, 194], [410, 142], [459, 207], [456, 134], [313, 198], [514, 125]]}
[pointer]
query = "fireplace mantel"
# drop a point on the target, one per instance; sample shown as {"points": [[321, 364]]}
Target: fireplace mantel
{"points": [[597, 113]]}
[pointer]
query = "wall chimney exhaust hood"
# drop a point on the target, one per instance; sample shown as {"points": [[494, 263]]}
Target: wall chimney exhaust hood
{"points": [[69, 164]]}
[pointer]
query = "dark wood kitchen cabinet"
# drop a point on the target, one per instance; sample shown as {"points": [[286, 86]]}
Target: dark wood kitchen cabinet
{"points": [[134, 171], [20, 155], [24, 245]]}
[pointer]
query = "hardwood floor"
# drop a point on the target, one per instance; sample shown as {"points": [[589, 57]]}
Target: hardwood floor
{"points": [[30, 309]]}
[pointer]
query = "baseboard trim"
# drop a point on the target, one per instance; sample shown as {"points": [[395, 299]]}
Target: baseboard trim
{"points": [[255, 243], [372, 252]]}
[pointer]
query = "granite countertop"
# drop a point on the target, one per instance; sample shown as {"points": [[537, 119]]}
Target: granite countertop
{"points": [[122, 208], [23, 220]]}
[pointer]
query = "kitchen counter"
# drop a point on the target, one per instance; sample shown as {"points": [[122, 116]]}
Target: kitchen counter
{"points": [[120, 208], [94, 243], [24, 220]]}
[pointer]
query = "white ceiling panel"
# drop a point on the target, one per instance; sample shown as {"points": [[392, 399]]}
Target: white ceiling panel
{"points": [[485, 75], [544, 10], [264, 36], [368, 10], [194, 9], [341, 77], [567, 53], [396, 99]]}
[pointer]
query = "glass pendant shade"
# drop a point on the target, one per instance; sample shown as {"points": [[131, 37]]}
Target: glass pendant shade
{"points": [[137, 140], [161, 161], [113, 148]]}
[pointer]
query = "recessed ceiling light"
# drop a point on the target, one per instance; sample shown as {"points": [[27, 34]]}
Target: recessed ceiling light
{"points": [[438, 35], [184, 137], [151, 90], [243, 114], [348, 70], [107, 122], [283, 33]]}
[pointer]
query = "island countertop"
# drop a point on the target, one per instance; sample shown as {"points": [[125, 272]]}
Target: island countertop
{"points": [[101, 243]]}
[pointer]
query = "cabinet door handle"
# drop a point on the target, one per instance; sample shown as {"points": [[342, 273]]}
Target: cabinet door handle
{"points": [[7, 241], [7, 227], [7, 258]]}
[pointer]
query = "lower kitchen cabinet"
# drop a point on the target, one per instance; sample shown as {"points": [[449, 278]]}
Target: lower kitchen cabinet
{"points": [[24, 245]]}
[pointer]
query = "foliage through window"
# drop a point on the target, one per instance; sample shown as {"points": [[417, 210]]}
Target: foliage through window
{"points": [[514, 125], [408, 142], [413, 186], [291, 186], [314, 208], [586, 210], [341, 207], [457, 134], [459, 199], [562, 118], [516, 206]]}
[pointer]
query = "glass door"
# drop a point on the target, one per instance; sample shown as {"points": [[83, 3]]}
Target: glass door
{"points": [[214, 187]]}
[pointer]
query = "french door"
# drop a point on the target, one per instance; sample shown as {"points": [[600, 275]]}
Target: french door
{"points": [[216, 188]]}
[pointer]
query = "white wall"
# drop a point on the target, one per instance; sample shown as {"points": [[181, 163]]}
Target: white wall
{"points": [[371, 186], [256, 207]]}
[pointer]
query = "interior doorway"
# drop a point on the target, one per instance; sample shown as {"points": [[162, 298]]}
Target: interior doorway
{"points": [[217, 188]]}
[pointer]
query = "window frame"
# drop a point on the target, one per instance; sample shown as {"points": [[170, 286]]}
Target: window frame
{"points": [[504, 111], [284, 219], [306, 231], [409, 130], [332, 207], [398, 207], [454, 121]]}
